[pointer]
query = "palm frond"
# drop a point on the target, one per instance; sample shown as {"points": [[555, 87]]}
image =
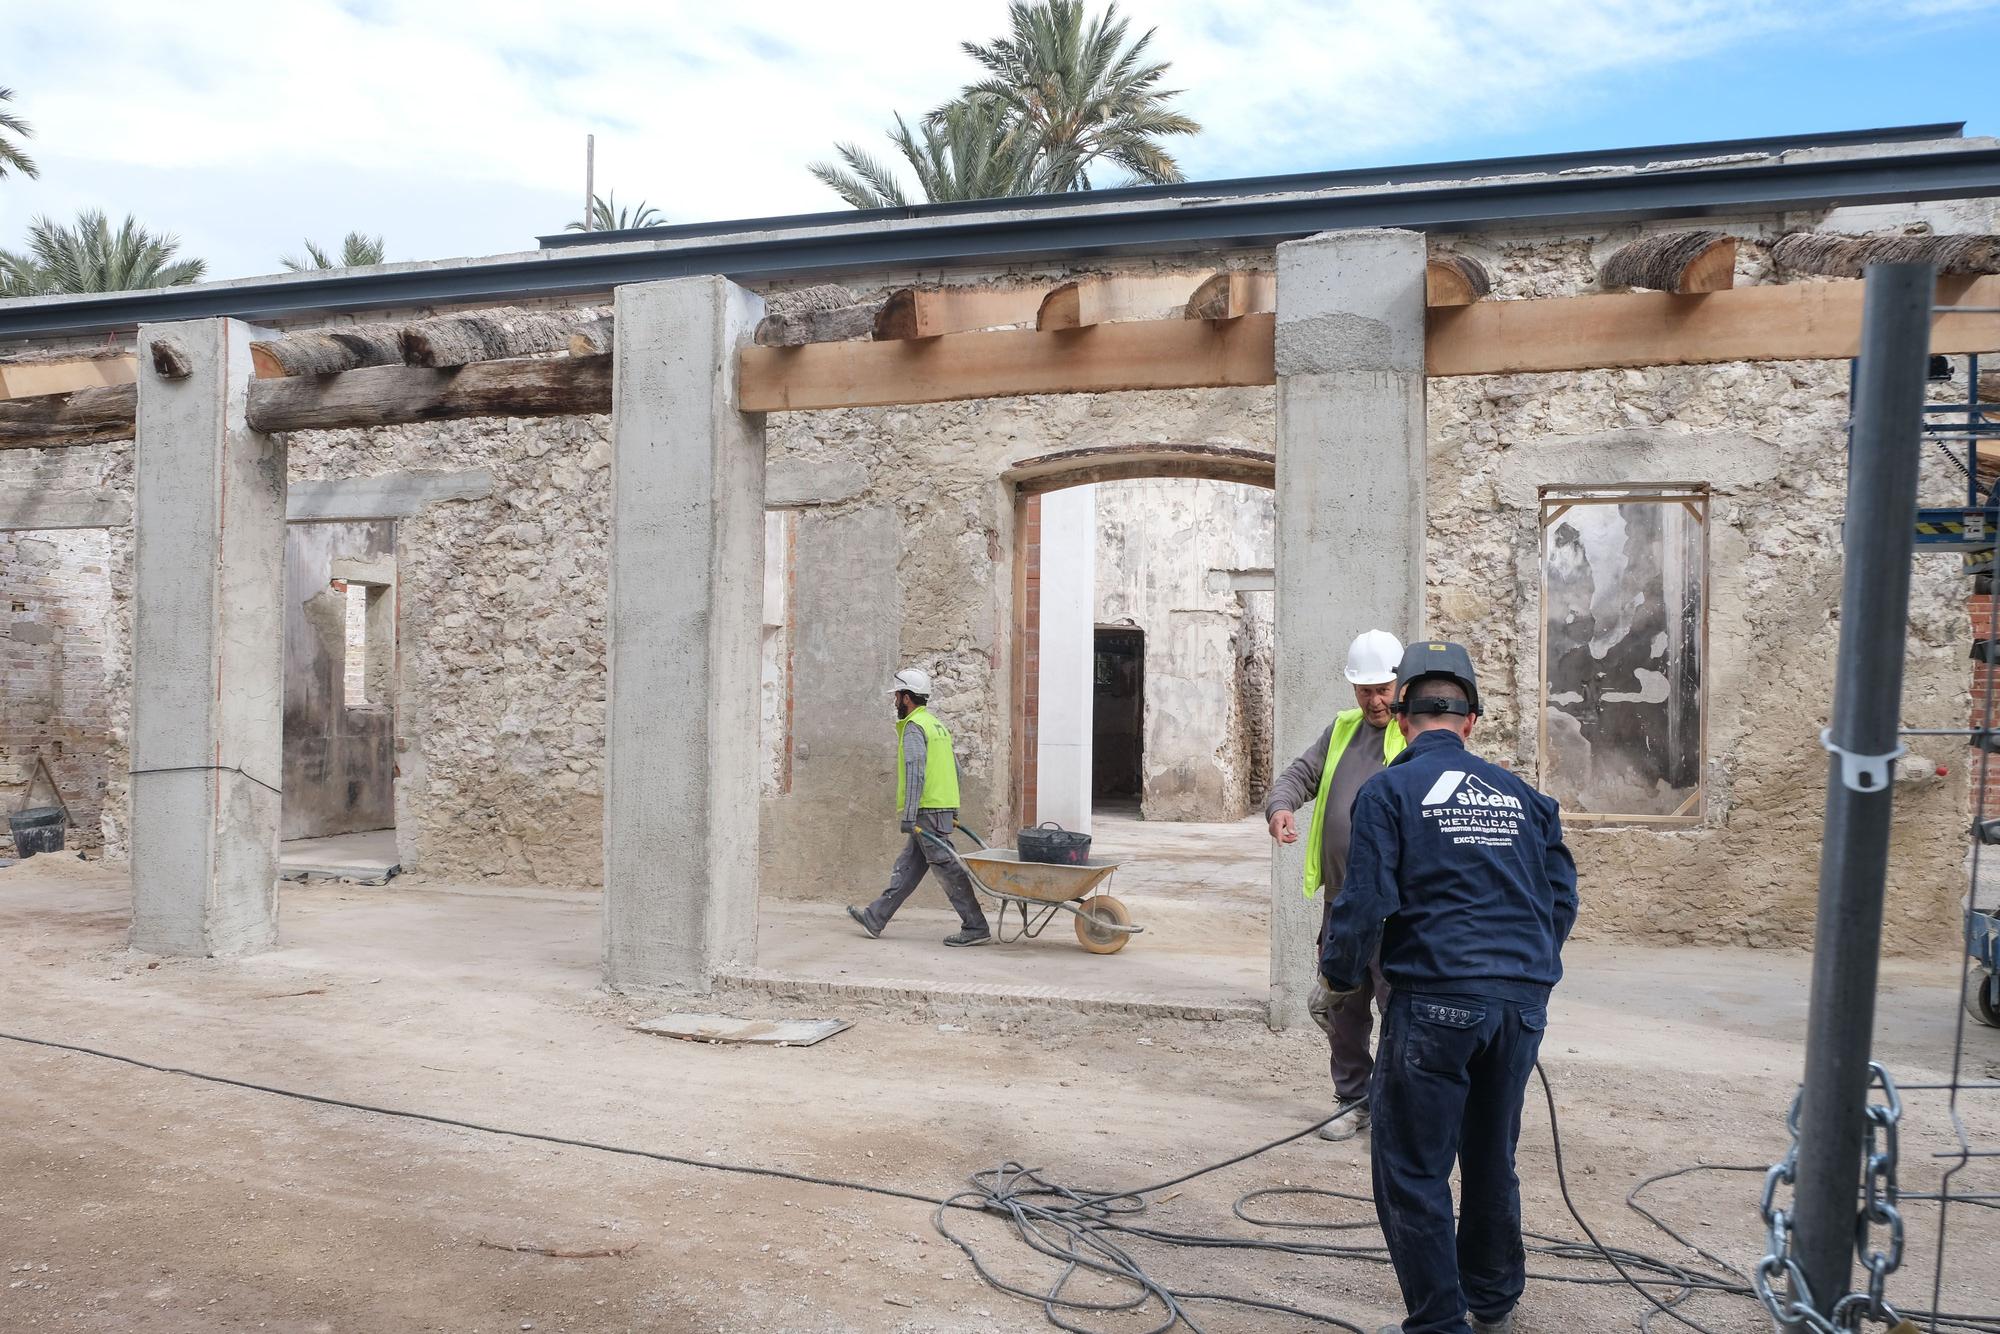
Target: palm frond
{"points": [[1063, 89], [89, 257], [12, 156], [607, 216]]}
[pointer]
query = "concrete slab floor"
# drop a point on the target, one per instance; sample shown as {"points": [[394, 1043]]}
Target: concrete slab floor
{"points": [[138, 1200], [369, 857]]}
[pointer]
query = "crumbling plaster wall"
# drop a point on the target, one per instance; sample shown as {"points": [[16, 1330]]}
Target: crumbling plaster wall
{"points": [[903, 552], [500, 644], [1769, 438], [74, 587], [1157, 541], [908, 559], [55, 596]]}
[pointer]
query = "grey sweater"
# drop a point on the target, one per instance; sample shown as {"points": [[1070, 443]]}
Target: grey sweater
{"points": [[1298, 787], [915, 757]]}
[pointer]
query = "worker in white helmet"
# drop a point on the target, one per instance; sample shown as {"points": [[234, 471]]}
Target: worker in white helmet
{"points": [[927, 807], [1358, 744]]}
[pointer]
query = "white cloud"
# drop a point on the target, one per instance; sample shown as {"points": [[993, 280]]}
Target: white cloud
{"points": [[458, 127]]}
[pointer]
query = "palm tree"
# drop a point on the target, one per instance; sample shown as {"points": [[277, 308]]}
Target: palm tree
{"points": [[11, 156], [606, 216], [357, 250], [1073, 84], [90, 257], [1065, 90], [963, 150]]}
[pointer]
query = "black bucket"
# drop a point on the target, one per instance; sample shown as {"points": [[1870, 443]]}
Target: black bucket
{"points": [[1051, 844], [37, 829]]}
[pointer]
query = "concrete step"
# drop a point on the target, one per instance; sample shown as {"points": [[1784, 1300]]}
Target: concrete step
{"points": [[984, 996]]}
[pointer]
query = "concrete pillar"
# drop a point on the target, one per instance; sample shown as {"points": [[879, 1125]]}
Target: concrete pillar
{"points": [[1068, 656], [207, 653], [687, 582], [1350, 498]]}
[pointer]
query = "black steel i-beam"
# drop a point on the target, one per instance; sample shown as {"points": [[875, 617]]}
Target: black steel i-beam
{"points": [[1077, 229]]}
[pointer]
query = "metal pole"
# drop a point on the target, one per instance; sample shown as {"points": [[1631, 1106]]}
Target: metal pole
{"points": [[1867, 703], [590, 182]]}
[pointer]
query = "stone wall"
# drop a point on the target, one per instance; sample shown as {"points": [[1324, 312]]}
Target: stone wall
{"points": [[902, 552], [501, 602], [55, 602], [1157, 541], [906, 558], [1769, 439]]}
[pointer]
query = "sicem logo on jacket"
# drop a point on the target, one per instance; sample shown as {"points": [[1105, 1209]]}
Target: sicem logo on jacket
{"points": [[1456, 787]]}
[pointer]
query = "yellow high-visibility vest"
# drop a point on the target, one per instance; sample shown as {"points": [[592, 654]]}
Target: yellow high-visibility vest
{"points": [[1345, 725], [940, 765]]}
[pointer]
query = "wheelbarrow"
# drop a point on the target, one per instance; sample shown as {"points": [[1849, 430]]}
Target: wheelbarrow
{"points": [[1038, 891], [1982, 979]]}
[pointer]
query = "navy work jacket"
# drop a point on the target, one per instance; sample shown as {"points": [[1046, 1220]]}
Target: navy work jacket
{"points": [[1458, 869]]}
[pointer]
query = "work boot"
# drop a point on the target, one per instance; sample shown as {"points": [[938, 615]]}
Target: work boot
{"points": [[960, 939], [1502, 1325], [861, 920], [1350, 1125]]}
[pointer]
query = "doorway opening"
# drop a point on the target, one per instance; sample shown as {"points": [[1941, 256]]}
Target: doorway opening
{"points": [[339, 817], [1118, 719]]}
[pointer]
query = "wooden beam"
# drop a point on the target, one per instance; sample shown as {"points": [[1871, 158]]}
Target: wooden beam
{"points": [[487, 335], [1143, 354], [592, 338], [170, 359], [82, 417], [328, 351], [1798, 321], [393, 395], [31, 379], [1449, 280], [1680, 262], [1232, 295], [1454, 280], [824, 313], [1794, 322], [1108, 299], [832, 325], [1839, 256], [930, 312]]}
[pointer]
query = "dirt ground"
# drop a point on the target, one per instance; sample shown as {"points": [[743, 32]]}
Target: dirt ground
{"points": [[139, 1201]]}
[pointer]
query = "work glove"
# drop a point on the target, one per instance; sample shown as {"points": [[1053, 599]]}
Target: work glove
{"points": [[1325, 1003], [909, 826]]}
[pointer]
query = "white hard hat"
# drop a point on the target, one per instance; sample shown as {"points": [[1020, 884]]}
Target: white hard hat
{"points": [[1372, 658], [915, 680]]}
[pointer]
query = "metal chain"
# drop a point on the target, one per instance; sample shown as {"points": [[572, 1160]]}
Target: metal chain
{"points": [[1792, 1304]]}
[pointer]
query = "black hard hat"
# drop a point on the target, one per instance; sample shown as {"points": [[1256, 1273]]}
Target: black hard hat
{"points": [[1430, 658]]}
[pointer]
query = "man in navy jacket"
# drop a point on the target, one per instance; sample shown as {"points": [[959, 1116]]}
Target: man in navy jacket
{"points": [[1458, 869]]}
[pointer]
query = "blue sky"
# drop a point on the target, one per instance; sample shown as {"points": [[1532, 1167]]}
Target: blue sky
{"points": [[457, 128]]}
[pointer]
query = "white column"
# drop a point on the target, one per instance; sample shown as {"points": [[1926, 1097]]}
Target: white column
{"points": [[1350, 502], [1068, 653], [207, 653], [687, 583]]}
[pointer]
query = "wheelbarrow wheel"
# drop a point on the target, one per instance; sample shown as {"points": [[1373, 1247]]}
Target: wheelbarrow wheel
{"points": [[1093, 918], [1978, 993]]}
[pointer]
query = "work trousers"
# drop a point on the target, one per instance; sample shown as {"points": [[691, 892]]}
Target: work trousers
{"points": [[1448, 1086], [919, 855], [1353, 1022]]}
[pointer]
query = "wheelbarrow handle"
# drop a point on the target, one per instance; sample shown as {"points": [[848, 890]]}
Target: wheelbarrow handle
{"points": [[936, 837]]}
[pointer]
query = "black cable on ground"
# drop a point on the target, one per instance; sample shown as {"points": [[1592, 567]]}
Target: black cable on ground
{"points": [[456, 1124], [1091, 1232]]}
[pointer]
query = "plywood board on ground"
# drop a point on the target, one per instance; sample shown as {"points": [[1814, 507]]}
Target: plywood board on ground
{"points": [[755, 1032]]}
